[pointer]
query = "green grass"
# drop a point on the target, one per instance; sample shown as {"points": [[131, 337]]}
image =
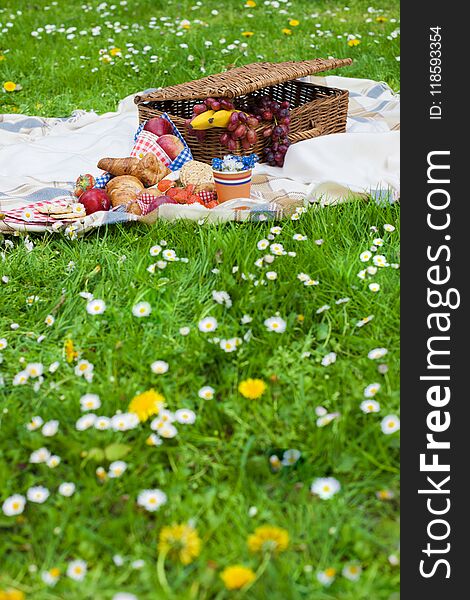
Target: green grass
{"points": [[218, 468]]}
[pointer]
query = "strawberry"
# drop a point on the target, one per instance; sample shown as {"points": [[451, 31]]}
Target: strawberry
{"points": [[83, 184]]}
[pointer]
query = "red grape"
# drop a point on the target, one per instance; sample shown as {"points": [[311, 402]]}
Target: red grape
{"points": [[199, 109]]}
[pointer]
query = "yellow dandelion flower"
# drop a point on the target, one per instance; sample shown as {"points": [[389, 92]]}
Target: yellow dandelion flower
{"points": [[12, 595], [250, 4], [268, 538], [2, 57], [252, 388], [354, 42], [237, 577], [115, 51], [286, 31], [70, 353], [181, 541], [300, 318], [294, 22], [9, 86], [146, 404], [248, 33], [381, 19]]}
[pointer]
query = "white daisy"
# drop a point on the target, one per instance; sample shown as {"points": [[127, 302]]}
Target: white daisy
{"points": [[90, 402], [298, 237], [311, 282], [53, 461], [117, 468], [323, 309], [78, 209], [325, 420], [50, 428], [159, 367], [378, 242], [390, 424], [246, 319], [374, 287], [184, 331], [230, 345], [262, 244], [50, 577], [3, 343], [303, 277], [207, 324], [151, 500], [342, 300], [20, 378], [328, 359], [362, 274], [161, 264], [326, 577], [39, 456], [37, 494], [27, 214], [167, 431], [85, 422], [102, 423], [380, 261], [271, 275], [141, 309], [96, 307], [276, 230], [206, 393], [84, 369], [370, 406], [155, 250], [67, 489], [352, 572], [34, 369], [325, 487], [389, 228], [154, 440], [277, 249], [371, 390], [185, 416], [124, 421], [14, 505], [124, 596], [169, 255], [365, 256], [34, 424], [49, 320], [276, 324], [222, 298], [377, 353], [290, 457], [77, 570]]}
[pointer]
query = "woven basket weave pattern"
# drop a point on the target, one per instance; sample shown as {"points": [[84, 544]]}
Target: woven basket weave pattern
{"points": [[315, 110]]}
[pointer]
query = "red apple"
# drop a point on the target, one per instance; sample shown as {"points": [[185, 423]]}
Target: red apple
{"points": [[159, 126], [95, 200], [171, 145]]}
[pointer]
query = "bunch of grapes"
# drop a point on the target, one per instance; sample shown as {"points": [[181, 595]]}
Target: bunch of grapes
{"points": [[278, 114], [241, 128]]}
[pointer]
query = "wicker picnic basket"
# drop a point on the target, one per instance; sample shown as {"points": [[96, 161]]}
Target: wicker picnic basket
{"points": [[315, 110]]}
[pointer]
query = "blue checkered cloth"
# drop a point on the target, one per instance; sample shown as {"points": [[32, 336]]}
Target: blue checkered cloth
{"points": [[183, 157]]}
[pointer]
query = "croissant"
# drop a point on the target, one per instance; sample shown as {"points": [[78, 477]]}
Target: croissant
{"points": [[149, 169]]}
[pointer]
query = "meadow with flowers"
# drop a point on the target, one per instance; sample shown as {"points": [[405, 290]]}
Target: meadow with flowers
{"points": [[197, 412]]}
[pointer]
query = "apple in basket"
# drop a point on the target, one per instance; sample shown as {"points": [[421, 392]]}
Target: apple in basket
{"points": [[159, 126], [95, 200], [171, 145]]}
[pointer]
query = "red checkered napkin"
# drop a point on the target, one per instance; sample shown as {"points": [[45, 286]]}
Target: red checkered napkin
{"points": [[147, 142], [207, 196], [30, 213]]}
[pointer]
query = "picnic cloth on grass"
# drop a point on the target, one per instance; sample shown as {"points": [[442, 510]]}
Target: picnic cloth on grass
{"points": [[40, 159]]}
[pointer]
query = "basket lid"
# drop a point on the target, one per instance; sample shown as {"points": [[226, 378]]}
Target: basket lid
{"points": [[243, 80]]}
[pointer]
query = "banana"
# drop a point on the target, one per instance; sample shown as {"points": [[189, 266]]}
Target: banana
{"points": [[212, 118], [222, 117], [202, 120]]}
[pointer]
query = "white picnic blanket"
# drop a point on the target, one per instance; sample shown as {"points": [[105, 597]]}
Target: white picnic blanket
{"points": [[41, 157]]}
